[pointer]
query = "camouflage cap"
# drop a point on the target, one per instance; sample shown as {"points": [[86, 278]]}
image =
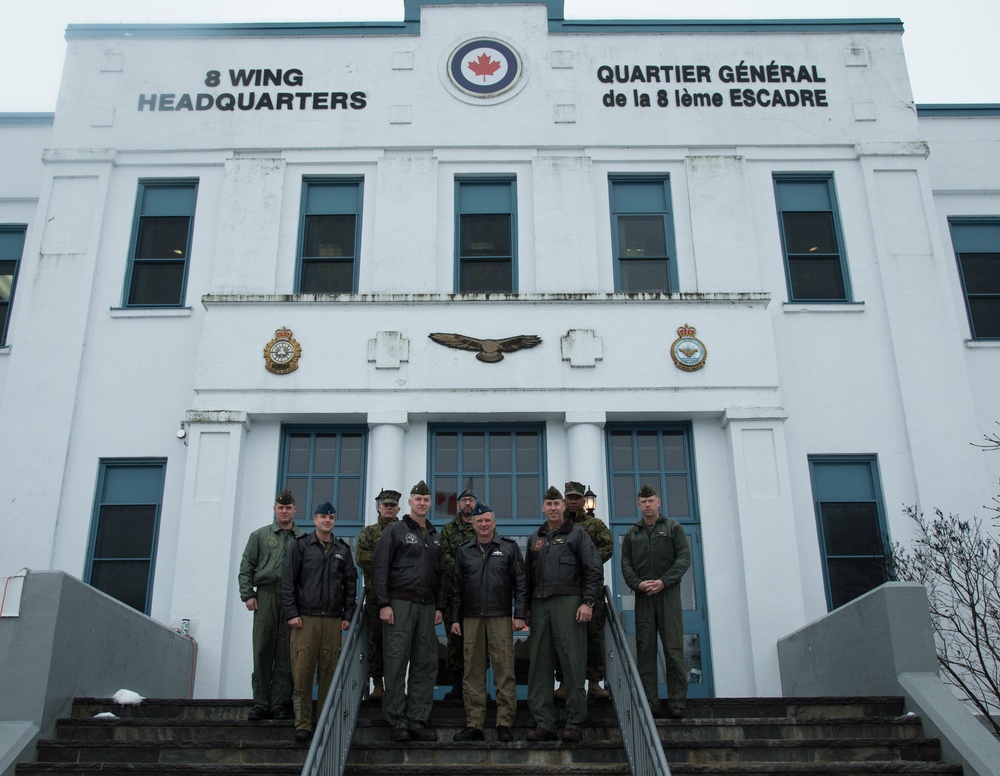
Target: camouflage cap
{"points": [[573, 488], [468, 492], [552, 494], [284, 497], [647, 491], [325, 508], [388, 497], [420, 489], [481, 509]]}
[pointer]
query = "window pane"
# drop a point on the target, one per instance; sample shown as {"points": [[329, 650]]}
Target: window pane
{"points": [[6, 279], [673, 452], [689, 599], [647, 447], [527, 451], [298, 453], [125, 531], [158, 282], [676, 500], [816, 278], [322, 490], [125, 580], [326, 453], [641, 236], [162, 237], [299, 486], [501, 497], [625, 504], [483, 276], [985, 316], [809, 233], [692, 656], [621, 451], [851, 529], [11, 242], [485, 235], [981, 272], [327, 277], [351, 453], [330, 236], [445, 502], [500, 453], [349, 500], [446, 452], [851, 577], [473, 452], [640, 275], [529, 500]]}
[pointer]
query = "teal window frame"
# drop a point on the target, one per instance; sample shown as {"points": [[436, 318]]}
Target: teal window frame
{"points": [[331, 206], [485, 208], [642, 233], [129, 494], [851, 525], [164, 217], [976, 242], [11, 250], [326, 463], [808, 213], [512, 484]]}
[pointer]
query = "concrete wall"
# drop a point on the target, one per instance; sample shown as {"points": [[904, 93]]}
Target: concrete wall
{"points": [[71, 640], [883, 644]]}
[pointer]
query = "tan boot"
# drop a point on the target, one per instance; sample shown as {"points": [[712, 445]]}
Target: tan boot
{"points": [[559, 692], [596, 692], [376, 693]]}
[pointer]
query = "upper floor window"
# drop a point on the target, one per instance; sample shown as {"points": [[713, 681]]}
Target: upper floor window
{"points": [[815, 262], [850, 518], [642, 233], [329, 236], [11, 247], [485, 235], [977, 248], [161, 243]]}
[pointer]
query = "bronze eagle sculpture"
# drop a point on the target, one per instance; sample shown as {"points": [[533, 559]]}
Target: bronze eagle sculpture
{"points": [[489, 351]]}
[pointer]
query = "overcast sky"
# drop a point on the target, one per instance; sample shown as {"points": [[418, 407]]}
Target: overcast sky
{"points": [[950, 46]]}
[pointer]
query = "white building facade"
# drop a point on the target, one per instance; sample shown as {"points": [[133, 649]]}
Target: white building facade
{"points": [[743, 268]]}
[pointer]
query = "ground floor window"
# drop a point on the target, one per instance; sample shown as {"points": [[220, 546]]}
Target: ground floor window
{"points": [[850, 519], [124, 529]]}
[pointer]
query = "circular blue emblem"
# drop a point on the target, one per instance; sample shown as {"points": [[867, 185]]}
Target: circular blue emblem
{"points": [[484, 67]]}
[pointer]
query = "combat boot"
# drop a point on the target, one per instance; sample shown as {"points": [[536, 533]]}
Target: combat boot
{"points": [[455, 693], [377, 689]]}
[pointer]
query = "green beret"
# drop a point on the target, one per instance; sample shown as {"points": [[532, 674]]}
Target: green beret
{"points": [[552, 494], [420, 489], [647, 492]]}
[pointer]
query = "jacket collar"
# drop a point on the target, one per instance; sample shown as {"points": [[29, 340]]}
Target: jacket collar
{"points": [[565, 528], [296, 529], [414, 525]]}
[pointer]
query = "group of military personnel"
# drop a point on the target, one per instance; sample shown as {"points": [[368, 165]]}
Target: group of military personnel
{"points": [[302, 589]]}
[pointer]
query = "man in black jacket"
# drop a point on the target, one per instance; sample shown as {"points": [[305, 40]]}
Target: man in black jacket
{"points": [[489, 574], [318, 596], [409, 572], [564, 580]]}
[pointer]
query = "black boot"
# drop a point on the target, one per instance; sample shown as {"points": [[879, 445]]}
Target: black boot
{"points": [[455, 693]]}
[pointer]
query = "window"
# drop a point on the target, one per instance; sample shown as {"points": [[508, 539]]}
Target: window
{"points": [[161, 243], [851, 523], [326, 464], [329, 236], [485, 236], [642, 233], [125, 528], [11, 246], [815, 264], [505, 464], [977, 248]]}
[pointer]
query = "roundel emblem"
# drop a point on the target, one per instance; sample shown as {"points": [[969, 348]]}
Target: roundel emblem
{"points": [[484, 67]]}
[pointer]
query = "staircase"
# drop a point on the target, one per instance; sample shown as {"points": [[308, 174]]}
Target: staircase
{"points": [[730, 737]]}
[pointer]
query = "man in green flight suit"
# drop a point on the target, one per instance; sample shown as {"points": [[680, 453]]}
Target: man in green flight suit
{"points": [[260, 590], [387, 505], [655, 555], [456, 533], [600, 534]]}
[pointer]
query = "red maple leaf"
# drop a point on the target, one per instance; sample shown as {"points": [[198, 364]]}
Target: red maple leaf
{"points": [[484, 66]]}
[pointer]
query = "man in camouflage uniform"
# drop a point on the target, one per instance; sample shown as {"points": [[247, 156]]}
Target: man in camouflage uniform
{"points": [[260, 589], [457, 532], [387, 505], [600, 534]]}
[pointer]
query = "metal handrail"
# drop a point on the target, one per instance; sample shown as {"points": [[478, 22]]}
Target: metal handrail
{"points": [[332, 737], [635, 719]]}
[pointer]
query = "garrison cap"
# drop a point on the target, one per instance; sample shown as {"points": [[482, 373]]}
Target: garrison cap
{"points": [[552, 494], [468, 492], [420, 489], [284, 497], [388, 497], [325, 508], [481, 509], [647, 491], [573, 488]]}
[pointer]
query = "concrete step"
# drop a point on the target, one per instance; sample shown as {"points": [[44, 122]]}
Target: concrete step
{"points": [[518, 752], [173, 730], [170, 708], [787, 728], [221, 752], [803, 751]]}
